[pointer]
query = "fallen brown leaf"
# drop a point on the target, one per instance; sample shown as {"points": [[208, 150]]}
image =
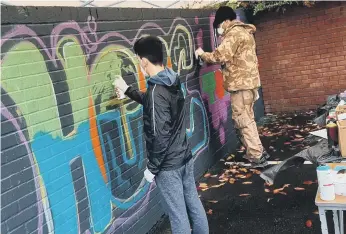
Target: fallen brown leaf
{"points": [[210, 212], [217, 186], [234, 171], [240, 176], [286, 186], [223, 180], [308, 182], [207, 175], [315, 212], [283, 193], [298, 139], [204, 189], [232, 181], [244, 195], [230, 157], [268, 134], [213, 201], [276, 191], [203, 185], [255, 171], [247, 182], [243, 170], [299, 189], [308, 223]]}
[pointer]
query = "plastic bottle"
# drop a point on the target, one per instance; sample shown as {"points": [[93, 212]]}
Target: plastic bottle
{"points": [[332, 132]]}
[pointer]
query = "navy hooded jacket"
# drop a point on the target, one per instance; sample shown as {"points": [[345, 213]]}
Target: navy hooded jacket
{"points": [[164, 121]]}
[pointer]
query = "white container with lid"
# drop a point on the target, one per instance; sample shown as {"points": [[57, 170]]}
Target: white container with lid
{"points": [[325, 178], [340, 180]]}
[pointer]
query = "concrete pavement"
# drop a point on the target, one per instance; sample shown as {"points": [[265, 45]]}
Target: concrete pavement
{"points": [[250, 206]]}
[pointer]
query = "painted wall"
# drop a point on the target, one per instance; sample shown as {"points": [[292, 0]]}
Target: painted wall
{"points": [[72, 156], [115, 3]]}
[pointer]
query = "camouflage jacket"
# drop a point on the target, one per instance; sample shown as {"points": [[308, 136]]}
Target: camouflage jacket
{"points": [[237, 52]]}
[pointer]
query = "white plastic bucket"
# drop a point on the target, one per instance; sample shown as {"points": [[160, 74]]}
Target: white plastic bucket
{"points": [[326, 183], [340, 180]]}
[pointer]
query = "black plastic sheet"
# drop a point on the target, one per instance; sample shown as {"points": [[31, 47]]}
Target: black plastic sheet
{"points": [[322, 112], [317, 154]]}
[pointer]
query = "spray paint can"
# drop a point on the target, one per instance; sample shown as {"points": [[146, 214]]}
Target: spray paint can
{"points": [[200, 61]]}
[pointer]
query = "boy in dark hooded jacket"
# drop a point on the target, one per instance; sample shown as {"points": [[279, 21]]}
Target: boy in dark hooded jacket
{"points": [[169, 156]]}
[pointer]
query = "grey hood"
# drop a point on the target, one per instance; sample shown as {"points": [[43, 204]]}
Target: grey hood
{"points": [[166, 77]]}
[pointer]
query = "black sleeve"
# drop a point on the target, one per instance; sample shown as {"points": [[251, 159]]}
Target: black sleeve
{"points": [[135, 95], [160, 115]]}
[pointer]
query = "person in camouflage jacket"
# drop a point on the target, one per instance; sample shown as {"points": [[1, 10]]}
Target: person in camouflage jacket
{"points": [[237, 54]]}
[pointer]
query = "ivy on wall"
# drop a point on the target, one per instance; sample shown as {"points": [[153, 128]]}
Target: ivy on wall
{"points": [[256, 7]]}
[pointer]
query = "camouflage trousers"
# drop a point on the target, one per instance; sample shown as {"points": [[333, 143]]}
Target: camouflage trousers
{"points": [[242, 103]]}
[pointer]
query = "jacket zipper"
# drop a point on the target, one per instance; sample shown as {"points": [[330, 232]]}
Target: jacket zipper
{"points": [[152, 97]]}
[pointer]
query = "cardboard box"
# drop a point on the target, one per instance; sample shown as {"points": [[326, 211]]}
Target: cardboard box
{"points": [[342, 137], [340, 112]]}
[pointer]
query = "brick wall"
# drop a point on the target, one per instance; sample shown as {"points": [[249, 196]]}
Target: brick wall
{"points": [[73, 157], [302, 55]]}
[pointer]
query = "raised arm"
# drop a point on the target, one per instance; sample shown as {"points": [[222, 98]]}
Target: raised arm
{"points": [[224, 52]]}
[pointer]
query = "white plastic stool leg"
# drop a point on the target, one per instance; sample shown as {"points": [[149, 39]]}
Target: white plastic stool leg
{"points": [[323, 219], [336, 222], [342, 226]]}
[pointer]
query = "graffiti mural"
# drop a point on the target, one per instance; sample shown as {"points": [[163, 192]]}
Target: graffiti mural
{"points": [[211, 85], [218, 101], [72, 156]]}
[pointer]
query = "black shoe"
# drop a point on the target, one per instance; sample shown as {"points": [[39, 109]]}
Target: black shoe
{"points": [[265, 154], [259, 163]]}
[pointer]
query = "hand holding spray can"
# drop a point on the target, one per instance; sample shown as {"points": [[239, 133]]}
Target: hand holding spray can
{"points": [[119, 87]]}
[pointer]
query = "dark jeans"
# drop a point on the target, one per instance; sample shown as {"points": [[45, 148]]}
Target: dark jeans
{"points": [[181, 200]]}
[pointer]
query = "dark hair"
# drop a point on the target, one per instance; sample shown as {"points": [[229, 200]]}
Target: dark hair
{"points": [[222, 14], [149, 47]]}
